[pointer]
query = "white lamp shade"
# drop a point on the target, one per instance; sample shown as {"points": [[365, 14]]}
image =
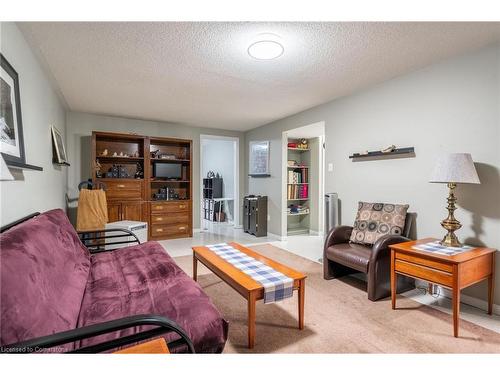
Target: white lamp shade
{"points": [[455, 168]]}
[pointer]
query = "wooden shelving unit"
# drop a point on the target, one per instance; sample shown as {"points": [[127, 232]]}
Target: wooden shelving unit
{"points": [[133, 197]]}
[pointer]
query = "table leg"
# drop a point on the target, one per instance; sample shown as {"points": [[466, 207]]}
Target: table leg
{"points": [[456, 300], [393, 281], [491, 285], [195, 268], [302, 291], [251, 320]]}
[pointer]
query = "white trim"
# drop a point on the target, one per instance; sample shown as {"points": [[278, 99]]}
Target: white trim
{"points": [[284, 176], [316, 233], [276, 236], [464, 298], [236, 205], [469, 300]]}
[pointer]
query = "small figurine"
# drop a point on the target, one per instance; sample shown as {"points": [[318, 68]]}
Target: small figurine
{"points": [[98, 167], [115, 154], [136, 154], [388, 149], [154, 154], [139, 173], [302, 144], [121, 154], [105, 152]]}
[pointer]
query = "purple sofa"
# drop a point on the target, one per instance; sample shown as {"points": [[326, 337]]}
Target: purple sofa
{"points": [[51, 283]]}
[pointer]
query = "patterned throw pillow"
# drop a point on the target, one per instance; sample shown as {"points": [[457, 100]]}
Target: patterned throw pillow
{"points": [[375, 220]]}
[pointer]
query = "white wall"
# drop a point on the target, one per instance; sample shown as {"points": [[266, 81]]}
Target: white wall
{"points": [[219, 156], [40, 107], [452, 106], [81, 125]]}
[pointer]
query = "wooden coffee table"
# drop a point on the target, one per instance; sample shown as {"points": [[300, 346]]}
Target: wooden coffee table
{"points": [[250, 289]]}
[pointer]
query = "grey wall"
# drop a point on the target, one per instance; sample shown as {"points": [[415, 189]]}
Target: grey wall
{"points": [[40, 107], [81, 125], [453, 106]]}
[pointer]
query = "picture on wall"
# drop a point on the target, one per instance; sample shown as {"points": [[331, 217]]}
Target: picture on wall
{"points": [[11, 127], [58, 147], [259, 159]]}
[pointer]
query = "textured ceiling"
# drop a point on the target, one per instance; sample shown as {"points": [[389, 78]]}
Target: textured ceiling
{"points": [[200, 73]]}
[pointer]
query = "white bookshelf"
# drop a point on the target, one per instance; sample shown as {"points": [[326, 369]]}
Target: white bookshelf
{"points": [[298, 223]]}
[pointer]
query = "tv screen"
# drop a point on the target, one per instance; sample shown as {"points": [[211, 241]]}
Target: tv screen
{"points": [[167, 170]]}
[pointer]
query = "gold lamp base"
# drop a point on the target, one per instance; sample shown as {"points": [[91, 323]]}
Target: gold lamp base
{"points": [[450, 223]]}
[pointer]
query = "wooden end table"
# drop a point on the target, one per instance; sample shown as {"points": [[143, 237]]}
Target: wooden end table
{"points": [[247, 287], [454, 272]]}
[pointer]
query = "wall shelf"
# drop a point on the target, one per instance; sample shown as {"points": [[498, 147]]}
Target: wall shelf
{"points": [[405, 152], [19, 165]]}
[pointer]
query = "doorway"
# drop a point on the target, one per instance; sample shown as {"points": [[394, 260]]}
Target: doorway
{"points": [[303, 176], [219, 182]]}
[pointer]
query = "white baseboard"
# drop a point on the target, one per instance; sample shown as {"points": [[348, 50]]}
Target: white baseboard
{"points": [[464, 298], [197, 230], [277, 237]]}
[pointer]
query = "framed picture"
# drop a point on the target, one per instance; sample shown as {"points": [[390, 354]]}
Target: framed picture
{"points": [[58, 147], [11, 125], [259, 159]]}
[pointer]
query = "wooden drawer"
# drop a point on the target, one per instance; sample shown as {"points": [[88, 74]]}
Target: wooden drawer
{"points": [[124, 190], [425, 262], [158, 230], [178, 218], [162, 207], [424, 273]]}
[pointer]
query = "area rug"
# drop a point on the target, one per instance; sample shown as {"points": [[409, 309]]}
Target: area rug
{"points": [[339, 318]]}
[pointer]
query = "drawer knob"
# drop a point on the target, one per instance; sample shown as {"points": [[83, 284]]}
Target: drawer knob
{"points": [[182, 206], [159, 219], [159, 230], [120, 185], [182, 228]]}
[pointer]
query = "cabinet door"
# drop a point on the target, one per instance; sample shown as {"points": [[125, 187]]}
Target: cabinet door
{"points": [[132, 211], [114, 212]]}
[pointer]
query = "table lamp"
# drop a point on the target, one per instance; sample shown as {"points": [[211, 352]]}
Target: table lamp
{"points": [[453, 169], [5, 174]]}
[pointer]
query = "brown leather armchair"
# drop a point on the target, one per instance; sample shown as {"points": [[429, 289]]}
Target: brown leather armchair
{"points": [[340, 258]]}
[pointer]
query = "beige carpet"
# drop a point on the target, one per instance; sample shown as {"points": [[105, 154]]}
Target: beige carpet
{"points": [[339, 318]]}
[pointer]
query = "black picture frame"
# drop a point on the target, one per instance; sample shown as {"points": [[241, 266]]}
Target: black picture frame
{"points": [[10, 159]]}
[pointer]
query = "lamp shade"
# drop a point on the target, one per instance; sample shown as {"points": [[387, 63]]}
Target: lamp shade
{"points": [[455, 168]]}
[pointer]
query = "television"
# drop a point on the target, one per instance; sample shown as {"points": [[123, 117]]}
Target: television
{"points": [[168, 171]]}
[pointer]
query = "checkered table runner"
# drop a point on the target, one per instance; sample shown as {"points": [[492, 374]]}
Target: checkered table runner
{"points": [[436, 248], [276, 285]]}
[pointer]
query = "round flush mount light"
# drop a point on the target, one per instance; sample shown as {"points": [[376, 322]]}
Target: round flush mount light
{"points": [[265, 50]]}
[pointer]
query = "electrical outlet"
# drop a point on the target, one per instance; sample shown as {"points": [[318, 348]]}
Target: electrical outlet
{"points": [[330, 167]]}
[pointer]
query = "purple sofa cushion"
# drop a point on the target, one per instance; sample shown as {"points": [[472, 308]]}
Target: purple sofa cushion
{"points": [[144, 279], [44, 269]]}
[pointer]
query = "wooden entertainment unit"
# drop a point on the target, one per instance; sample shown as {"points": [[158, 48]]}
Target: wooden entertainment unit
{"points": [[132, 196]]}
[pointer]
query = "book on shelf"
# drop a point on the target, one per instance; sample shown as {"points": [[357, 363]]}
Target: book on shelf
{"points": [[298, 177], [297, 192]]}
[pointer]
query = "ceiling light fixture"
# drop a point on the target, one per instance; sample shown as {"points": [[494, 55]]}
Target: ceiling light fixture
{"points": [[265, 50]]}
